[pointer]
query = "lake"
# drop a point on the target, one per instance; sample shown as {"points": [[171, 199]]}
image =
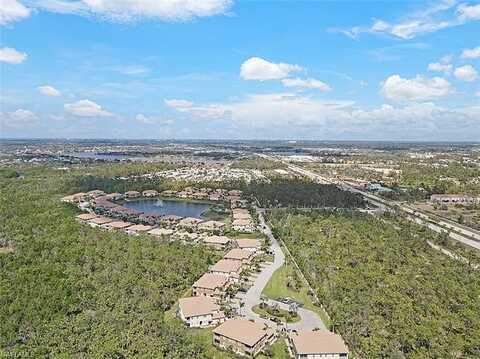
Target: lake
{"points": [[168, 207]]}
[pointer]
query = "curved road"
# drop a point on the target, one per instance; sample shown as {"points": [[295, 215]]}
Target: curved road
{"points": [[309, 319]]}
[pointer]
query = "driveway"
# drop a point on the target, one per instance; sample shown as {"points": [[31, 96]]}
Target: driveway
{"points": [[309, 319]]}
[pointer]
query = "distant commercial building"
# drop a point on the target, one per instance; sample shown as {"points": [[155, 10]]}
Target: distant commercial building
{"points": [[455, 198]]}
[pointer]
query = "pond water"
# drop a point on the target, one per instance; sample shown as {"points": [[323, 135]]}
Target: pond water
{"points": [[167, 207]]}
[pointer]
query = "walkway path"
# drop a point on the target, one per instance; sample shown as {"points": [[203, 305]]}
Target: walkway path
{"points": [[309, 319]]}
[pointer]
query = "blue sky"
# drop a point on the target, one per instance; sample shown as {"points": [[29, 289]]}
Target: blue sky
{"points": [[319, 70]]}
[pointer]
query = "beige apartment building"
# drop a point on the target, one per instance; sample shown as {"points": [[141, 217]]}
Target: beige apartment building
{"points": [[244, 337]]}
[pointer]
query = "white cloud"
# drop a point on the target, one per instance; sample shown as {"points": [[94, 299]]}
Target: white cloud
{"points": [[306, 83], [477, 93], [471, 53], [256, 68], [281, 115], [49, 90], [439, 15], [466, 73], [12, 56], [469, 12], [444, 65], [268, 109], [147, 120], [198, 112], [136, 10], [11, 11], [23, 116], [178, 104], [86, 108], [419, 88], [439, 67]]}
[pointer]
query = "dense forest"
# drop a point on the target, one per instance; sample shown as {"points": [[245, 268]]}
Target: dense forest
{"points": [[388, 293], [67, 290], [284, 192]]}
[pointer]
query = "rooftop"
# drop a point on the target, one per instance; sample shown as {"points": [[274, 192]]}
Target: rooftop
{"points": [[226, 266], [211, 281], [119, 224], [195, 306], [161, 231], [140, 228], [238, 254], [242, 330], [87, 216], [318, 342], [216, 240], [248, 243], [101, 220]]}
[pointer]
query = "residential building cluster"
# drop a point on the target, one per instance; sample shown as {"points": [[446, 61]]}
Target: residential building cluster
{"points": [[210, 173], [211, 292]]}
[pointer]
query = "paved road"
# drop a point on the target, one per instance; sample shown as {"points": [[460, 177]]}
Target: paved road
{"points": [[462, 233], [309, 319]]}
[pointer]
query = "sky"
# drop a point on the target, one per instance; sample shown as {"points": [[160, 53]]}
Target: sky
{"points": [[240, 69]]}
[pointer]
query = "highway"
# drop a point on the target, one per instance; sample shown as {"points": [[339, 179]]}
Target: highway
{"points": [[456, 231]]}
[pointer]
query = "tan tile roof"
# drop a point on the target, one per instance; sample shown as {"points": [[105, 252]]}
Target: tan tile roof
{"points": [[242, 222], [161, 232], [226, 266], [238, 254], [101, 220], [87, 216], [171, 217], [189, 221], [195, 306], [248, 243], [132, 193], [211, 281], [140, 228], [241, 216], [240, 211], [118, 224], [211, 225], [242, 330], [216, 240], [318, 342]]}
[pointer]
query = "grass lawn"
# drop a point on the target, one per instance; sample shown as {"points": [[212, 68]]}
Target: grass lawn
{"points": [[277, 288], [206, 336], [282, 314], [278, 349]]}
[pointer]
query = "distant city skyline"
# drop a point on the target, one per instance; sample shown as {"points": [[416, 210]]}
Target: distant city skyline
{"points": [[224, 69]]}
